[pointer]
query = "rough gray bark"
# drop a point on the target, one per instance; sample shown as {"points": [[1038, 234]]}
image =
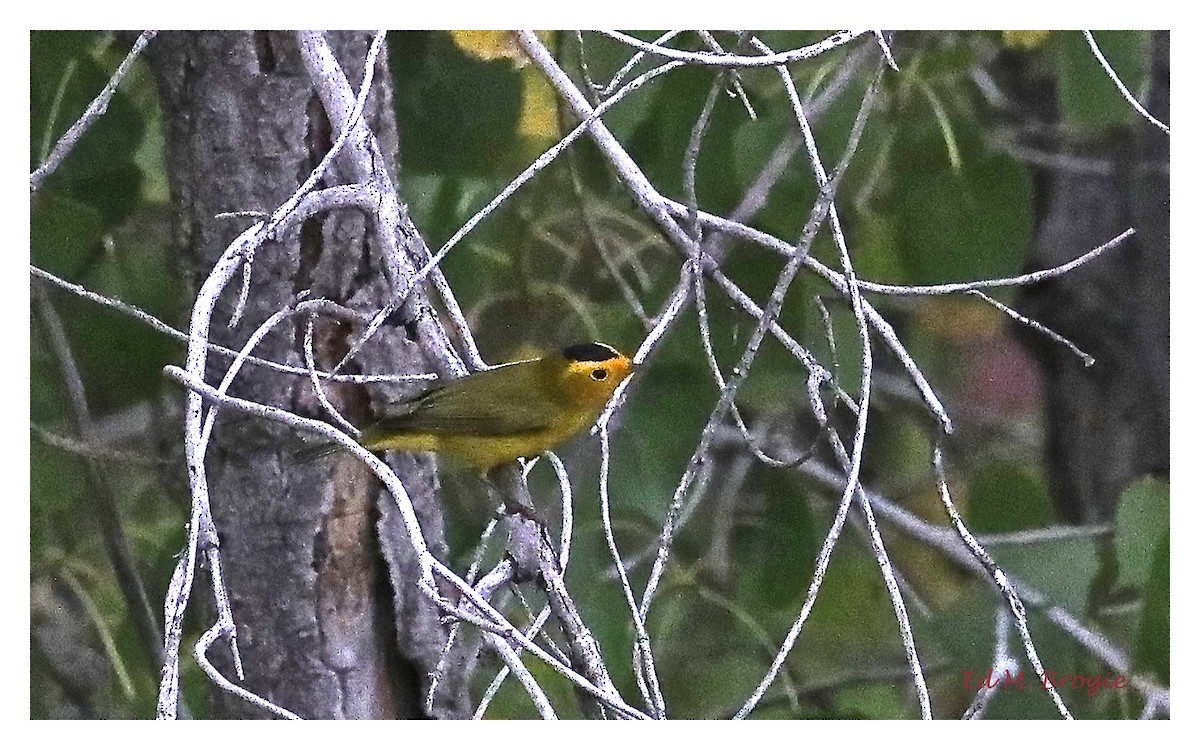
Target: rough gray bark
{"points": [[1108, 424], [330, 622]]}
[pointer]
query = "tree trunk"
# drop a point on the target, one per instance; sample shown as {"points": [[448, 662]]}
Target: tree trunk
{"points": [[322, 578], [1107, 424]]}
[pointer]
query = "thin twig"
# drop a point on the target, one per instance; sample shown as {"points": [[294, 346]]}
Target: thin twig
{"points": [[999, 576], [364, 160], [103, 493], [856, 303], [202, 534], [1002, 664], [742, 369], [201, 653], [738, 61], [1129, 97], [1088, 360], [318, 389], [500, 576], [824, 555], [643, 655], [661, 210], [156, 324], [94, 110], [443, 658], [759, 192], [715, 367], [882, 41], [1026, 279], [950, 544], [632, 63], [93, 449], [494, 687]]}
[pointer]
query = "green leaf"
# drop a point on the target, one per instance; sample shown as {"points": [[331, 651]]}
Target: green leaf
{"points": [[872, 702], [142, 268], [966, 224], [100, 171], [56, 487], [944, 60], [964, 630], [457, 114], [1154, 649], [873, 240], [774, 555], [660, 434], [45, 399], [119, 357], [54, 96], [1143, 516], [122, 358], [1062, 569], [852, 621], [1088, 97], [1007, 496], [63, 232]]}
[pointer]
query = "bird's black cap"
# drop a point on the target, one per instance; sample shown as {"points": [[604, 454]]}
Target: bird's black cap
{"points": [[594, 352]]}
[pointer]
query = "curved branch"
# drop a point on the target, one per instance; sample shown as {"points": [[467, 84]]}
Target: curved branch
{"points": [[739, 61]]}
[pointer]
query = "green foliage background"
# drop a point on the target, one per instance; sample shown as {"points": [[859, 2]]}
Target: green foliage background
{"points": [[927, 199]]}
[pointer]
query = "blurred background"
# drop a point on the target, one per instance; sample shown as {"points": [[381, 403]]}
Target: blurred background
{"points": [[988, 154]]}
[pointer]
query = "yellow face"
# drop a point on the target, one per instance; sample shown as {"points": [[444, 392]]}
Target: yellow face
{"points": [[593, 372]]}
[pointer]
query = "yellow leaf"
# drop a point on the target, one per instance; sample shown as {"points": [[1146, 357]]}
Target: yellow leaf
{"points": [[488, 45], [1024, 39], [539, 109], [494, 45]]}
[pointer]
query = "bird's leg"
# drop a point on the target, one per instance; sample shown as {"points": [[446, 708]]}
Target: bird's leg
{"points": [[516, 508], [511, 502], [512, 506]]}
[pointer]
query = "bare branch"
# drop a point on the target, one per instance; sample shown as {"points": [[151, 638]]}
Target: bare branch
{"points": [[632, 63], [1026, 279], [98, 107], [137, 313], [643, 655], [1088, 360], [881, 40], [951, 544], [661, 209], [92, 450], [739, 61], [103, 494], [1000, 577], [1002, 666], [1129, 97], [201, 653], [856, 303], [362, 157]]}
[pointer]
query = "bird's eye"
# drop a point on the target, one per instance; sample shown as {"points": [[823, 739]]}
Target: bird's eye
{"points": [[599, 374]]}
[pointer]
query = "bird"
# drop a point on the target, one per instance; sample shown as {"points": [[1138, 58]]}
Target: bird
{"points": [[516, 410]]}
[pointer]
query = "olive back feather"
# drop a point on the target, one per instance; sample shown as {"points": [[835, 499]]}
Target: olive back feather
{"points": [[506, 400]]}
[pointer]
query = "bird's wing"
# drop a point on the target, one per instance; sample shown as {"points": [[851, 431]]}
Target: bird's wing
{"points": [[492, 402]]}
